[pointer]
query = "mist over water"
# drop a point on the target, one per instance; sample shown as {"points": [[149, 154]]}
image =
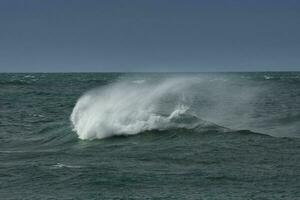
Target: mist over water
{"points": [[131, 106]]}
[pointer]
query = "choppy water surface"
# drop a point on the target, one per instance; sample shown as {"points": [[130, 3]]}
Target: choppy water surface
{"points": [[138, 136]]}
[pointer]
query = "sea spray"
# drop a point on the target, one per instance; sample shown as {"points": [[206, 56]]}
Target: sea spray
{"points": [[126, 109]]}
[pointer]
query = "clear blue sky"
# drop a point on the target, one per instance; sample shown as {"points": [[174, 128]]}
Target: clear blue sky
{"points": [[149, 35]]}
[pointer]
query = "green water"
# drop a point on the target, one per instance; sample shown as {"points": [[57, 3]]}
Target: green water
{"points": [[249, 150]]}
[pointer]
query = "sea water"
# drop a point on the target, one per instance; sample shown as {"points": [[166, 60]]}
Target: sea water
{"points": [[150, 135]]}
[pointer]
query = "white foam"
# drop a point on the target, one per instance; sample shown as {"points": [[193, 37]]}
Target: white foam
{"points": [[267, 77], [60, 165], [138, 81], [127, 109], [29, 76]]}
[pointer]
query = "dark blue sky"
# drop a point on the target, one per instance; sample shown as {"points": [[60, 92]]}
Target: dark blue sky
{"points": [[149, 35]]}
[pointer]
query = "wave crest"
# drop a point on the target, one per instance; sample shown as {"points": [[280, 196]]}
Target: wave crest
{"points": [[126, 109]]}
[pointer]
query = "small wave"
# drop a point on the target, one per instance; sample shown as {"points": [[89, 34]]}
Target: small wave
{"points": [[29, 76], [23, 151], [13, 151], [138, 81], [60, 165], [37, 115], [267, 77]]}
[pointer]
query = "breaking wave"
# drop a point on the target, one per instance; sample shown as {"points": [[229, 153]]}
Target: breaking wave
{"points": [[125, 108]]}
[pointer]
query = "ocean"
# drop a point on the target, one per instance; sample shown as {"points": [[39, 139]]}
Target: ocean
{"points": [[150, 135]]}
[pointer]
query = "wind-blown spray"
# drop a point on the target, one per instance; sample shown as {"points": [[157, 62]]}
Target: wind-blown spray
{"points": [[126, 108]]}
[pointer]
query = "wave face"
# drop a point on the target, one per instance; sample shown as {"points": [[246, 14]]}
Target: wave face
{"points": [[126, 108]]}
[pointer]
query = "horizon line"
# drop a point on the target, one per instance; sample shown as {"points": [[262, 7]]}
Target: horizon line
{"points": [[57, 72]]}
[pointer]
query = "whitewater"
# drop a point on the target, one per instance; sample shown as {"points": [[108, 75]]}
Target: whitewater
{"points": [[127, 108], [130, 106]]}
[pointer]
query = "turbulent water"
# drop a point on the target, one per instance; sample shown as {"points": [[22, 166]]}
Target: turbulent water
{"points": [[153, 135]]}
